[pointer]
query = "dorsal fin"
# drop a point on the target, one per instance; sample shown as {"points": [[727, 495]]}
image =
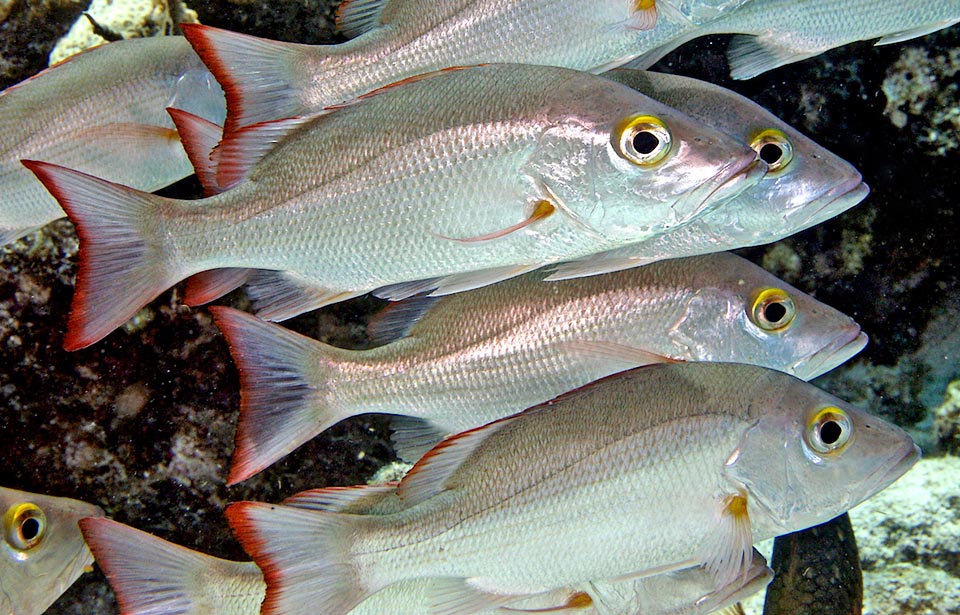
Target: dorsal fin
{"points": [[242, 149], [354, 17], [430, 475]]}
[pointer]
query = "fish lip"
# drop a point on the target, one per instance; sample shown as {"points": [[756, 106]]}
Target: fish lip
{"points": [[724, 185], [843, 347], [894, 471], [837, 200]]}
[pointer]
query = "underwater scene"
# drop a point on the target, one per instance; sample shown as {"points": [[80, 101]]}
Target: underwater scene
{"points": [[588, 307]]}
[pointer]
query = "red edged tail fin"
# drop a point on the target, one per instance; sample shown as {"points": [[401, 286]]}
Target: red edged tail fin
{"points": [[305, 556], [285, 393], [259, 77], [121, 265]]}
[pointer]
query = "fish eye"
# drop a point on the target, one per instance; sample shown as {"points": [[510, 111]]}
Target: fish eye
{"points": [[772, 309], [644, 140], [774, 148], [829, 431], [24, 526]]}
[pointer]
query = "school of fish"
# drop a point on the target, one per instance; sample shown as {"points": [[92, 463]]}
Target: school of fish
{"points": [[605, 409]]}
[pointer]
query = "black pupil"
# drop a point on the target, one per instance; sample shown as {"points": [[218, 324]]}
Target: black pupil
{"points": [[774, 312], [830, 432], [30, 529], [771, 153], [645, 142]]}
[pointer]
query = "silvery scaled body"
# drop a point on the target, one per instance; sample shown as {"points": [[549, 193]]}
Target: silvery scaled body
{"points": [[778, 32], [101, 112], [150, 575]]}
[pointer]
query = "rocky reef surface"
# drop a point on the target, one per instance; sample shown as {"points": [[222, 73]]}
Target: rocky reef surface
{"points": [[142, 422]]}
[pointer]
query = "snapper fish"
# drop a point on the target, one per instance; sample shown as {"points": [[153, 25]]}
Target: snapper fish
{"points": [[468, 359], [101, 112], [772, 33], [395, 39], [41, 551], [443, 183], [589, 486], [805, 184], [150, 575]]}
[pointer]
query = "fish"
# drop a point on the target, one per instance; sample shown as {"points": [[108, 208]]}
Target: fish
{"points": [[41, 551], [101, 112], [773, 33], [657, 469], [473, 175], [150, 575], [698, 12], [805, 184], [817, 572], [395, 39], [463, 360]]}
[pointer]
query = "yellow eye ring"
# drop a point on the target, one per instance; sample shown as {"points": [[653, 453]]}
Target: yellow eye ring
{"points": [[643, 140], [772, 310], [774, 148], [829, 431], [24, 526]]}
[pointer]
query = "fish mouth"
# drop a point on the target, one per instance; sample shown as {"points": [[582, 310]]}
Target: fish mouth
{"points": [[722, 187], [896, 469], [839, 351], [836, 200]]}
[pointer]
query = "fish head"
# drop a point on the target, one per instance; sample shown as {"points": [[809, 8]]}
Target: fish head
{"points": [[629, 167], [42, 551], [736, 311], [807, 457], [805, 183]]}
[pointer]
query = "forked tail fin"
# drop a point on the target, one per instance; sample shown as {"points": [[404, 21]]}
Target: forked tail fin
{"points": [[304, 554], [260, 78], [121, 261], [287, 389], [150, 575]]}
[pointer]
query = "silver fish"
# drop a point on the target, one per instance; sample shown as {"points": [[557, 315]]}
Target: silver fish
{"points": [[101, 112], [778, 32], [474, 357], [150, 575], [654, 470], [460, 178], [41, 551], [805, 184], [267, 80]]}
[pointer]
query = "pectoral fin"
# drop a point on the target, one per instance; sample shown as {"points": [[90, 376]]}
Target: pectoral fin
{"points": [[730, 554], [643, 15], [541, 211]]}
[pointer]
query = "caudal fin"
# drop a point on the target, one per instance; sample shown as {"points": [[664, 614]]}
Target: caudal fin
{"points": [[285, 399], [260, 78], [304, 555], [150, 575], [121, 267]]}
